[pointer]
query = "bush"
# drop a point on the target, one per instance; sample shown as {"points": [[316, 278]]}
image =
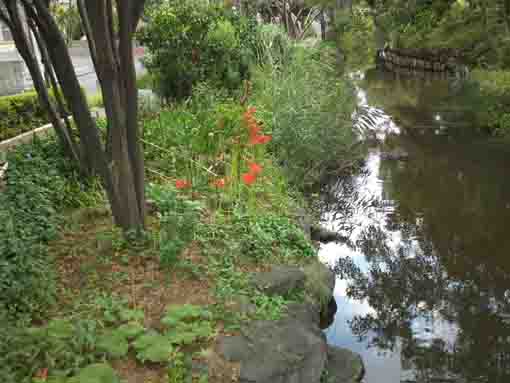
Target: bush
{"points": [[273, 46], [493, 100], [145, 81], [22, 113], [309, 110], [189, 42], [179, 217], [39, 185], [19, 114]]}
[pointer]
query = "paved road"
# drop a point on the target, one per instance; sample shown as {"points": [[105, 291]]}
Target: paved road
{"points": [[82, 65], [87, 75]]}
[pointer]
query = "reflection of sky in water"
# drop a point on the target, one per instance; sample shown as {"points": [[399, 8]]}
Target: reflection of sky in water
{"points": [[381, 367], [371, 121]]}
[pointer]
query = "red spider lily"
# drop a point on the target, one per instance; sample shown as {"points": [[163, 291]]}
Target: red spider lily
{"points": [[220, 183], [264, 139], [42, 374], [249, 113], [182, 184], [254, 130], [249, 178], [249, 117], [260, 139], [255, 168]]}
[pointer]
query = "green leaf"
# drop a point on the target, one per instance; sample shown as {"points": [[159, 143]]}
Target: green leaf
{"points": [[60, 329], [113, 343], [178, 313], [131, 330], [96, 373], [153, 347], [132, 315]]}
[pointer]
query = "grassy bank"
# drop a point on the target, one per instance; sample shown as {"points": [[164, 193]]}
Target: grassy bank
{"points": [[226, 172]]}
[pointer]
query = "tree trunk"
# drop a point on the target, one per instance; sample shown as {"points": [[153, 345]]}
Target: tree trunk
{"points": [[507, 15], [117, 78], [70, 145], [21, 39], [123, 174], [323, 26]]}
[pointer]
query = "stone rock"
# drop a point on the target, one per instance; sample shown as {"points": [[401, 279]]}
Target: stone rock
{"points": [[320, 282], [243, 305], [305, 222], [344, 366], [395, 155], [291, 350], [327, 316], [281, 280], [324, 235]]}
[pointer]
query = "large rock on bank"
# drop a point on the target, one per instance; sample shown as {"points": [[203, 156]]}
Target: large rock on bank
{"points": [[291, 350], [280, 280], [344, 366]]}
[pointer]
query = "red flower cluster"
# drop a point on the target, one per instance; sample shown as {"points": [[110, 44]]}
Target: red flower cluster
{"points": [[182, 184], [254, 128], [220, 183], [42, 374], [250, 177]]}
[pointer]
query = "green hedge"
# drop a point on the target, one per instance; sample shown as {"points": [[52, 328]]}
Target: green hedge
{"points": [[19, 114], [22, 113]]}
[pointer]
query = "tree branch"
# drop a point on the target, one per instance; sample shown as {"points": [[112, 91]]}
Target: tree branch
{"points": [[136, 10], [5, 18], [88, 31]]}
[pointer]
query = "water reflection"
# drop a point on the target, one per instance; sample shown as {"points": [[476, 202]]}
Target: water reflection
{"points": [[424, 283]]}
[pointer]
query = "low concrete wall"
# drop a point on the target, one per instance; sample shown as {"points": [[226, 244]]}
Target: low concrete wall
{"points": [[416, 60], [25, 138], [42, 131]]}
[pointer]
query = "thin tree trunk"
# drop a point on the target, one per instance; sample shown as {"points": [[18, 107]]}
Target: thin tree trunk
{"points": [[323, 25], [92, 151], [70, 145], [21, 39], [133, 132], [123, 177], [507, 15], [118, 83]]}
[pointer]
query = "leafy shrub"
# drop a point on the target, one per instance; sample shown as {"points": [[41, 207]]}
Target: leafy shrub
{"points": [[145, 81], [61, 346], [20, 113], [272, 46], [66, 347], [190, 41], [179, 218], [39, 185], [493, 100], [271, 236], [309, 110], [258, 238]]}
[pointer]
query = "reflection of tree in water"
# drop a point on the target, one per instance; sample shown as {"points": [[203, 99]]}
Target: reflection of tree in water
{"points": [[414, 102], [342, 199], [451, 266]]}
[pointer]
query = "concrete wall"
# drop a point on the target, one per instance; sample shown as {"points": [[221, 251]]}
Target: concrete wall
{"points": [[12, 77]]}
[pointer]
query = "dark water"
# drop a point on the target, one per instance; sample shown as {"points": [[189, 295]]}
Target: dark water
{"points": [[423, 287]]}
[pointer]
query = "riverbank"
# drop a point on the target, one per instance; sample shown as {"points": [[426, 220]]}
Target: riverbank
{"points": [[225, 196]]}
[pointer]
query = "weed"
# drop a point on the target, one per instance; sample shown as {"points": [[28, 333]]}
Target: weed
{"points": [[179, 218]]}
